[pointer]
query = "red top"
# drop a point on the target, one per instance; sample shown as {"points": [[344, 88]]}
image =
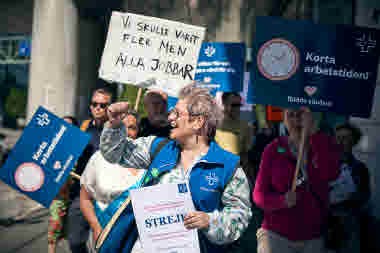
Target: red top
{"points": [[304, 221]]}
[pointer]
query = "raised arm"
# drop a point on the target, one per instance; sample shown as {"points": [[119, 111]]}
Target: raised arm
{"points": [[116, 147]]}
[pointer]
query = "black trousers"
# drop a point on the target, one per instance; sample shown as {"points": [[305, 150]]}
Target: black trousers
{"points": [[78, 228]]}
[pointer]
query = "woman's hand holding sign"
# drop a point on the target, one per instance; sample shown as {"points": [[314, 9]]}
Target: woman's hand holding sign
{"points": [[116, 112], [197, 219]]}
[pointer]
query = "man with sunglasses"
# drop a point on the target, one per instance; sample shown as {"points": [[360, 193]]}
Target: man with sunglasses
{"points": [[78, 226]]}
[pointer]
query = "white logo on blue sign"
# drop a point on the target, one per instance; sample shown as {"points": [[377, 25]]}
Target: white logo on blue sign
{"points": [[210, 51], [365, 43], [43, 119]]}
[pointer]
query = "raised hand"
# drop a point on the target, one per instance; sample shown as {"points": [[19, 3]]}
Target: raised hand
{"points": [[116, 112]]}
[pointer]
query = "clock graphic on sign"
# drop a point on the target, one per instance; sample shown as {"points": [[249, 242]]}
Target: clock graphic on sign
{"points": [[278, 59], [29, 177]]}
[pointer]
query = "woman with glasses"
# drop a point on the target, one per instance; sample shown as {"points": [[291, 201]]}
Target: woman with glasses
{"points": [[294, 221], [218, 185]]}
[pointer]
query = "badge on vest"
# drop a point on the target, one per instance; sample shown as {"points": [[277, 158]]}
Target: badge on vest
{"points": [[211, 178], [281, 150], [155, 172]]}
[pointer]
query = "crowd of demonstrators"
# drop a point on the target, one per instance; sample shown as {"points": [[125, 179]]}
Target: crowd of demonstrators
{"points": [[223, 207], [156, 123], [294, 221], [349, 196], [58, 209], [77, 224], [254, 208], [105, 185], [233, 133]]}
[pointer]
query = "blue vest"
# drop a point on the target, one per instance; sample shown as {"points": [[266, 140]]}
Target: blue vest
{"points": [[208, 179]]}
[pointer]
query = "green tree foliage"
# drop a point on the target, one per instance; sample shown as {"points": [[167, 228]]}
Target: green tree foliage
{"points": [[15, 103], [130, 94]]}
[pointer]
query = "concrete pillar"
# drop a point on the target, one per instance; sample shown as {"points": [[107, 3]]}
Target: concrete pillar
{"points": [[91, 38], [54, 57], [229, 30]]}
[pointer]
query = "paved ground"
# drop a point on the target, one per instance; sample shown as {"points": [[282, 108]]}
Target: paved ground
{"points": [[23, 224], [13, 204], [28, 235]]}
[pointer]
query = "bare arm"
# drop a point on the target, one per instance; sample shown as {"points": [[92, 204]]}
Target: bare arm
{"points": [[88, 211]]}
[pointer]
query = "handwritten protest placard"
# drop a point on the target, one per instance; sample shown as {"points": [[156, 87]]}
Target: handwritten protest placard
{"points": [[43, 157], [325, 67], [150, 52]]}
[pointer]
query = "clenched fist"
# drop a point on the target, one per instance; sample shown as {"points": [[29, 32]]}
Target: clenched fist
{"points": [[116, 112]]}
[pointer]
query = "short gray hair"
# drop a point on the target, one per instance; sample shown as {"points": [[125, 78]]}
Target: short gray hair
{"points": [[201, 103]]}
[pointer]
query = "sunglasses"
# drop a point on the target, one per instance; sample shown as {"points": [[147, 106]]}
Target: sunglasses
{"points": [[102, 105]]}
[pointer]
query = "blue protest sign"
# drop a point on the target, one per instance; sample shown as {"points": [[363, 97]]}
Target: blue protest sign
{"points": [[324, 67], [248, 86], [24, 48], [43, 157], [221, 66]]}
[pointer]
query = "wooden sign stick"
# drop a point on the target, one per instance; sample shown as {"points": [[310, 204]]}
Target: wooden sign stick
{"points": [[103, 235], [138, 99], [299, 159], [75, 175]]}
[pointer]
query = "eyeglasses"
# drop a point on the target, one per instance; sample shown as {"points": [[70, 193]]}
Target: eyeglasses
{"points": [[102, 105], [176, 113]]}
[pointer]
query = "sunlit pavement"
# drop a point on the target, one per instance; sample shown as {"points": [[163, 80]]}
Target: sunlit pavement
{"points": [[28, 234]]}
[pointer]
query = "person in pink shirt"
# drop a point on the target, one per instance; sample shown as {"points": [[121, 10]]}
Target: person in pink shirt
{"points": [[295, 221]]}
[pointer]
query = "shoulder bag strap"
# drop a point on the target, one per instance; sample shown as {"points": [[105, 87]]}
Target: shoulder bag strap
{"points": [[103, 235]]}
